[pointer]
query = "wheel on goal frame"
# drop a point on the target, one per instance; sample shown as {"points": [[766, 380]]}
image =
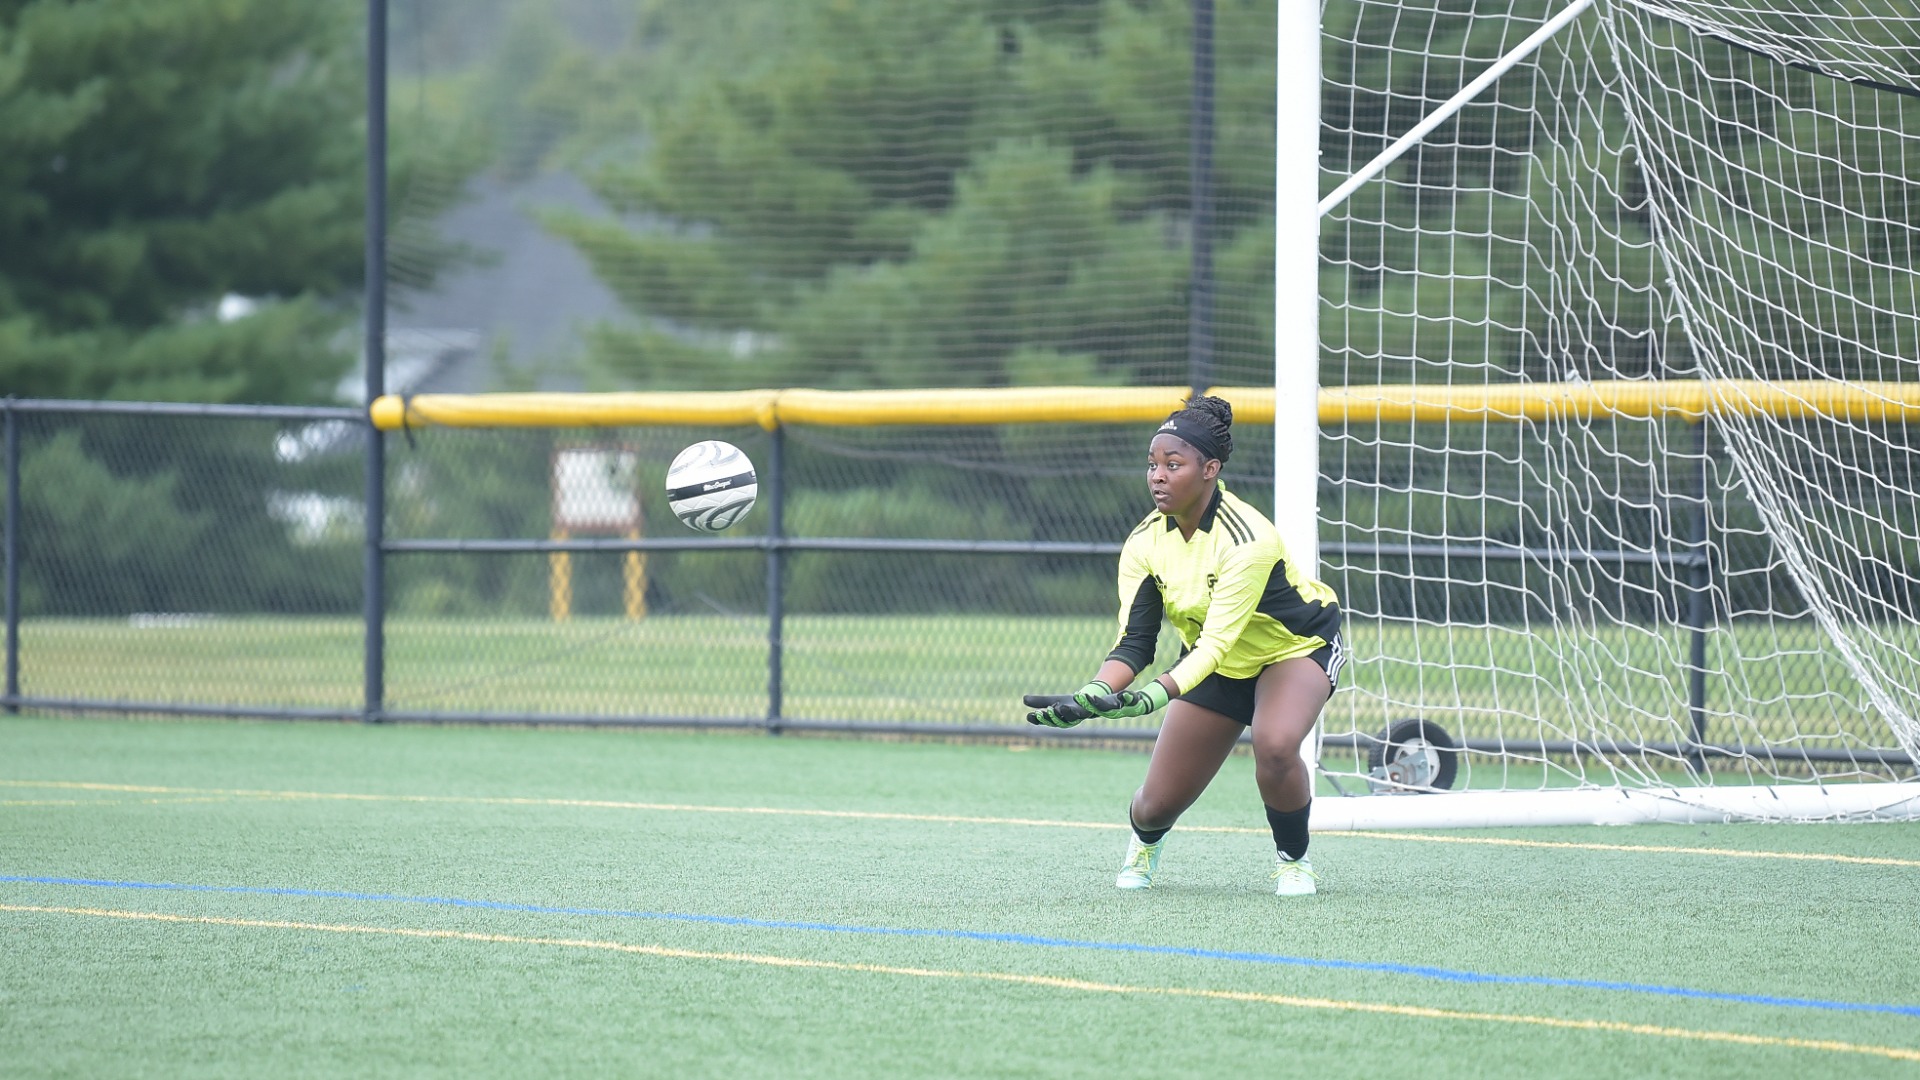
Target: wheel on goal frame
{"points": [[1412, 755]]}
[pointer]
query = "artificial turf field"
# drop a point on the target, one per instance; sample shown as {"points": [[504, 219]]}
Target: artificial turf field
{"points": [[222, 898]]}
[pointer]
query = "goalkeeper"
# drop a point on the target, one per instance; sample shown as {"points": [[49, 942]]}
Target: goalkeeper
{"points": [[1262, 649]]}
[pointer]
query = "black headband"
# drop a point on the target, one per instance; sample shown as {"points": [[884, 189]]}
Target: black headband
{"points": [[1193, 435]]}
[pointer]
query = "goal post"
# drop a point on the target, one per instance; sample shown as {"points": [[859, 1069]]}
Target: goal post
{"points": [[1296, 291]]}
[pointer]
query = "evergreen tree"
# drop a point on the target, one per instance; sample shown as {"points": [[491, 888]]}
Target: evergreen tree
{"points": [[155, 157], [927, 193]]}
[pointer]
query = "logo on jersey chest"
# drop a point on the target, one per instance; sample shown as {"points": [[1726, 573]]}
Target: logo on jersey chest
{"points": [[1161, 583]]}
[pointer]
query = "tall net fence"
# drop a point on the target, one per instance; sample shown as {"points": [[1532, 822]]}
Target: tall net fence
{"points": [[668, 195]]}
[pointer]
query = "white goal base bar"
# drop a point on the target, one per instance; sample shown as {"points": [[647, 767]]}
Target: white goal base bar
{"points": [[1618, 806]]}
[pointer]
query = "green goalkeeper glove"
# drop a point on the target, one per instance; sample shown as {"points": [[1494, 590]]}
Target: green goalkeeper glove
{"points": [[1064, 713], [1127, 703]]}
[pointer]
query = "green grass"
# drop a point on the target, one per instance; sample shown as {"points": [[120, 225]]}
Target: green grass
{"points": [[321, 985]]}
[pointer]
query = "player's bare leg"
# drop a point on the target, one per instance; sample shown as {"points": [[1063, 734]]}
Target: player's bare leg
{"points": [[1192, 744], [1287, 701]]}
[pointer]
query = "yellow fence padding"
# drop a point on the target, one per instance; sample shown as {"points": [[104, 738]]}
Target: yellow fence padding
{"points": [[1868, 402]]}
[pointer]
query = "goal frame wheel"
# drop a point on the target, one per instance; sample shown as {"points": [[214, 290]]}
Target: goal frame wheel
{"points": [[1412, 756]]}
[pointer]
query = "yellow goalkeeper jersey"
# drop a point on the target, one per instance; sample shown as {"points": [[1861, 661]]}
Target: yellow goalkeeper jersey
{"points": [[1236, 600]]}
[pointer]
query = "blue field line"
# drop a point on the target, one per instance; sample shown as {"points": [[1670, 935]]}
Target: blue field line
{"points": [[1373, 967]]}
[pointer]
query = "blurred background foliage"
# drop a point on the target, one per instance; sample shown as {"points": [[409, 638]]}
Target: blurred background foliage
{"points": [[182, 188]]}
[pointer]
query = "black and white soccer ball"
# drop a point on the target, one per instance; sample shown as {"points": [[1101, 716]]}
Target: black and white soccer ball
{"points": [[711, 485]]}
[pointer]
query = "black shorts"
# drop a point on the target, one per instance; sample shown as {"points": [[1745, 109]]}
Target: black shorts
{"points": [[1233, 698]]}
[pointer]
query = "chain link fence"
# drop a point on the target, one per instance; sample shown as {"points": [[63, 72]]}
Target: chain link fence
{"points": [[185, 558]]}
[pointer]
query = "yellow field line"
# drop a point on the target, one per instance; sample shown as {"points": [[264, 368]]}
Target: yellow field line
{"points": [[949, 819], [175, 801], [1053, 982]]}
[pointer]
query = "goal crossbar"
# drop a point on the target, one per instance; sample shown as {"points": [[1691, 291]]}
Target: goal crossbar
{"points": [[1452, 105]]}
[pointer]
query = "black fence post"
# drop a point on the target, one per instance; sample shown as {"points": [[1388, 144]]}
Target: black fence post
{"points": [[776, 586], [375, 599], [13, 559], [1699, 581], [1200, 209]]}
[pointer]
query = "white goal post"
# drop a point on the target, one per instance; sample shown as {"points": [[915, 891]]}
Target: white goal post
{"points": [[1612, 614]]}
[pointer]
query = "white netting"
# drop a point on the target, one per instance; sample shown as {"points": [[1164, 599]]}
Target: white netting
{"points": [[1662, 192], [1791, 251]]}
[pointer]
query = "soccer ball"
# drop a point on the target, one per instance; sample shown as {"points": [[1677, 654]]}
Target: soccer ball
{"points": [[711, 485]]}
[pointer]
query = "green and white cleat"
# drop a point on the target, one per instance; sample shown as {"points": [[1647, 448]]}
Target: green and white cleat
{"points": [[1294, 877], [1142, 861]]}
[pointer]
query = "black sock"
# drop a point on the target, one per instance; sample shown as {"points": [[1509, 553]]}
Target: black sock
{"points": [[1290, 830], [1147, 836]]}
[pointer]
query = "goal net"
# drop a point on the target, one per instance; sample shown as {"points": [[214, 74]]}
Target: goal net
{"points": [[1703, 592]]}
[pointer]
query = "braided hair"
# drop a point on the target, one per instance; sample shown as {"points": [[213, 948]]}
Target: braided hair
{"points": [[1204, 423]]}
